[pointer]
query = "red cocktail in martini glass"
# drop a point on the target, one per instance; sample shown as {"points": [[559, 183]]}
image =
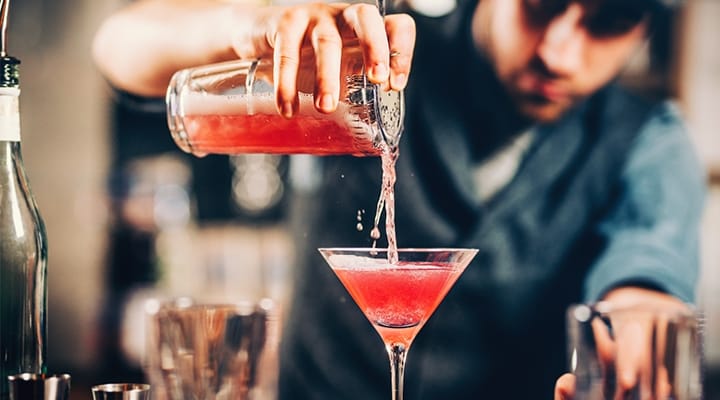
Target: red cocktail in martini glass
{"points": [[399, 297]]}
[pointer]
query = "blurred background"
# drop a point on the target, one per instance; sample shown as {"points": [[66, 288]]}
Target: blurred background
{"points": [[122, 203]]}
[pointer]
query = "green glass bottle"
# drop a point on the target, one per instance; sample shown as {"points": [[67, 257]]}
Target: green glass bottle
{"points": [[23, 245]]}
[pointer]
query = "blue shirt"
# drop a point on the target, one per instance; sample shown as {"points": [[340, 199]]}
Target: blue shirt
{"points": [[653, 230]]}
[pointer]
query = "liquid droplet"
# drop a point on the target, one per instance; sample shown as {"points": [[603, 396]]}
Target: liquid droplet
{"points": [[359, 226]]}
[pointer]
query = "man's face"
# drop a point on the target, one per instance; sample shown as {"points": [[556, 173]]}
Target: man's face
{"points": [[551, 53]]}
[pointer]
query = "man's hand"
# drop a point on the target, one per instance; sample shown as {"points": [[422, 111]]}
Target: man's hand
{"points": [[630, 344], [636, 337], [324, 30]]}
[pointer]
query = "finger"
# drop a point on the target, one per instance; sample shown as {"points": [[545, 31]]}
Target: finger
{"points": [[369, 28], [634, 354], [670, 340], [606, 351], [665, 340], [565, 387], [327, 45], [663, 387], [604, 344], [401, 36], [286, 59]]}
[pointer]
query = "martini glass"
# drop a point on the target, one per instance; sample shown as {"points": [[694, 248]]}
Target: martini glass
{"points": [[397, 298]]}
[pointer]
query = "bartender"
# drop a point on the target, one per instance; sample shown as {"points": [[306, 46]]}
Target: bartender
{"points": [[518, 142]]}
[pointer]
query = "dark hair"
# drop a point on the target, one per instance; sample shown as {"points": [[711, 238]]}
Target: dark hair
{"points": [[661, 13]]}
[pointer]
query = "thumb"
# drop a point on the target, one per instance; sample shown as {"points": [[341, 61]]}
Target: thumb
{"points": [[565, 387]]}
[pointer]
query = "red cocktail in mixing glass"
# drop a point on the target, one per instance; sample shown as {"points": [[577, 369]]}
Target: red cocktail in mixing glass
{"points": [[229, 108]]}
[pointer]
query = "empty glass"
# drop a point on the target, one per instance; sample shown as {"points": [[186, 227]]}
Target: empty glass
{"points": [[121, 391], [637, 352], [199, 351]]}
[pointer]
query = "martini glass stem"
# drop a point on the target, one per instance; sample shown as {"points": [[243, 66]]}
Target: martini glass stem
{"points": [[398, 355]]}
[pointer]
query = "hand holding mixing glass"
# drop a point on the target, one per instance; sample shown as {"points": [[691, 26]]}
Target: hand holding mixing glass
{"points": [[237, 107]]}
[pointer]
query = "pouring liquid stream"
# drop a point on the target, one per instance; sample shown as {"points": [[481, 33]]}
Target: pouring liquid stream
{"points": [[386, 201]]}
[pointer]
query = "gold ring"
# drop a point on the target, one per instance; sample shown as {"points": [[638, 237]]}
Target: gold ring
{"points": [[394, 53]]}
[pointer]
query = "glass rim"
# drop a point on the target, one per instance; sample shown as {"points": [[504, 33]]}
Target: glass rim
{"points": [[121, 387], [400, 250], [583, 312]]}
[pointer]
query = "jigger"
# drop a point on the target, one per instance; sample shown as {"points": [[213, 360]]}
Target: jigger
{"points": [[28, 386], [121, 391]]}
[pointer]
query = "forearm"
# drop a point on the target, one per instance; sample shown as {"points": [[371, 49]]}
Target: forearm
{"points": [[141, 46], [652, 231]]}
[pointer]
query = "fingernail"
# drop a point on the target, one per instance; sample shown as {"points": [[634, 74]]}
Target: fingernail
{"points": [[380, 72], [398, 81], [327, 102], [287, 109]]}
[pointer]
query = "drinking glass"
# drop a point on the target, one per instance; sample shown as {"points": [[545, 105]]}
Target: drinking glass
{"points": [[636, 352], [121, 391], [200, 351], [398, 297], [229, 108]]}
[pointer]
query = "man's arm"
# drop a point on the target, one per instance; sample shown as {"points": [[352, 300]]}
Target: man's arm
{"points": [[653, 231], [139, 47], [653, 234]]}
